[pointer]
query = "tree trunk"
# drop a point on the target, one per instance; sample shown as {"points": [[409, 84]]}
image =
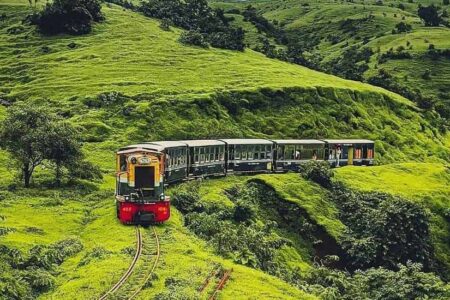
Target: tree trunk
{"points": [[26, 175], [58, 174]]}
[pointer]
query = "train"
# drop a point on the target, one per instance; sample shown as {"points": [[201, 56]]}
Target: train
{"points": [[145, 170]]}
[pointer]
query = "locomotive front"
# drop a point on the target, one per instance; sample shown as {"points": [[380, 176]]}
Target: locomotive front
{"points": [[140, 195]]}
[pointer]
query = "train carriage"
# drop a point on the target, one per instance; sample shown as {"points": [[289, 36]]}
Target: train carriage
{"points": [[140, 185], [206, 158], [249, 155], [290, 154], [175, 160], [350, 152]]}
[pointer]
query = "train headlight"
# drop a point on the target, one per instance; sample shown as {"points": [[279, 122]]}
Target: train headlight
{"points": [[162, 197], [133, 160]]}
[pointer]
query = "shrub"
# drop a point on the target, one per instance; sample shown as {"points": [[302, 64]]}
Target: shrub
{"points": [[187, 200], [193, 37], [319, 172], [68, 16], [403, 27], [243, 211], [383, 230], [410, 282]]}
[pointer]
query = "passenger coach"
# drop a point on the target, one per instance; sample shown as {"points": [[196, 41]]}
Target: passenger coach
{"points": [[249, 155], [290, 154], [350, 152]]}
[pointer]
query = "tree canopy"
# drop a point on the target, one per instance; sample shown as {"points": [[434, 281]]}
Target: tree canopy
{"points": [[33, 135]]}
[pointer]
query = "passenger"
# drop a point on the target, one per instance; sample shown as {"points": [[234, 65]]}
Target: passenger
{"points": [[314, 157], [338, 156], [297, 155]]}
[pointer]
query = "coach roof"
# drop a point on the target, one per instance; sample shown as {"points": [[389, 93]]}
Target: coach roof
{"points": [[247, 142]]}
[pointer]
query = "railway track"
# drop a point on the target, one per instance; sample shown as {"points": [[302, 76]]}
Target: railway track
{"points": [[140, 270]]}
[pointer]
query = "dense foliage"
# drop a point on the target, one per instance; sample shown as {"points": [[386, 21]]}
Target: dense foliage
{"points": [[68, 16], [383, 231], [430, 15], [409, 282], [233, 233], [199, 19], [27, 276], [319, 172]]}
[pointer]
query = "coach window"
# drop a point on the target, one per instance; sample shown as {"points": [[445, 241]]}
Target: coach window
{"points": [[268, 151], [201, 154], [215, 154], [370, 151], [237, 152], [123, 162], [256, 152], [280, 152], [196, 156], [221, 153], [207, 150], [244, 152]]}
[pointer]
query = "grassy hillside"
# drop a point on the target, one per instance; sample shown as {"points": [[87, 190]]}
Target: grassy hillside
{"points": [[50, 217], [147, 60], [326, 29], [110, 88]]}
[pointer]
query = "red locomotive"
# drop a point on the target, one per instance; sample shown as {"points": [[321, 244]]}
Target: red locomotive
{"points": [[140, 195]]}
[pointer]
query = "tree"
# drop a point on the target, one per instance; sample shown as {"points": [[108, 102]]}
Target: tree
{"points": [[430, 15], [33, 135], [446, 2], [68, 16], [24, 134]]}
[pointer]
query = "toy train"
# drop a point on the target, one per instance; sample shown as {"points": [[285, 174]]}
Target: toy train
{"points": [[144, 170]]}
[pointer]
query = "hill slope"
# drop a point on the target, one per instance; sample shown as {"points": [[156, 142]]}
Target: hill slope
{"points": [[324, 30], [146, 60]]}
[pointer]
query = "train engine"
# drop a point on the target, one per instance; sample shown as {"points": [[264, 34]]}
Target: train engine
{"points": [[140, 195]]}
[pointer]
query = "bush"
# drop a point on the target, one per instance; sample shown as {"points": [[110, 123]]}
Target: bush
{"points": [[383, 230], [68, 16], [403, 27], [243, 211], [410, 282], [319, 172], [193, 37], [187, 199], [204, 24]]}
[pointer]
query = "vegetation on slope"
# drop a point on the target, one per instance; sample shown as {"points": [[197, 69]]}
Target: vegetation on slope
{"points": [[129, 81], [245, 207], [426, 184], [329, 36]]}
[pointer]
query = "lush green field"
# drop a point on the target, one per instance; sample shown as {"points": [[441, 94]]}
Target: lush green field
{"points": [[50, 217]]}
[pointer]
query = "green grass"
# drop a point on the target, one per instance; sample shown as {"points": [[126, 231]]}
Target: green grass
{"points": [[146, 60], [183, 255], [322, 19], [310, 197], [427, 184]]}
